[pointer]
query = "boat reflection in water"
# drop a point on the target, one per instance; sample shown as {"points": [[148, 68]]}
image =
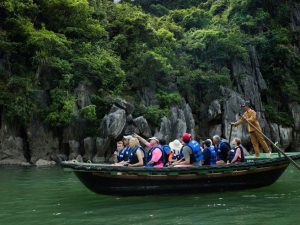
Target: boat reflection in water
{"points": [[120, 180]]}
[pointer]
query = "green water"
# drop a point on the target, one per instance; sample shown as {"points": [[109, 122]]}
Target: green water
{"points": [[30, 196]]}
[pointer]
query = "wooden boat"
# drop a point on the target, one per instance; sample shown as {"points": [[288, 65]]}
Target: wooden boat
{"points": [[119, 180]]}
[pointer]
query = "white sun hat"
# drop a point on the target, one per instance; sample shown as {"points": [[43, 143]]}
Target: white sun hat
{"points": [[175, 145]]}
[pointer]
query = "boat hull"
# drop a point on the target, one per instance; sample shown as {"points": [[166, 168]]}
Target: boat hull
{"points": [[141, 185], [120, 180]]}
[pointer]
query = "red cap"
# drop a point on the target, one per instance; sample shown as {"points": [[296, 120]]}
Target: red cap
{"points": [[186, 137]]}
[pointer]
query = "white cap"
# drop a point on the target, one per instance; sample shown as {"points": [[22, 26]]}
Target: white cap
{"points": [[127, 137], [154, 138]]}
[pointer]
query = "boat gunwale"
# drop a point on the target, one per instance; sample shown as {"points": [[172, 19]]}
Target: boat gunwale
{"points": [[188, 176], [90, 167]]}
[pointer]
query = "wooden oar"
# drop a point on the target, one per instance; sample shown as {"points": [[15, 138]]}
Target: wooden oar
{"points": [[231, 125], [276, 147]]}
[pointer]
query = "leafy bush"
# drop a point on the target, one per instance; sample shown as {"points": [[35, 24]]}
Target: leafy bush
{"points": [[274, 116], [154, 113], [167, 99], [89, 112], [62, 111]]}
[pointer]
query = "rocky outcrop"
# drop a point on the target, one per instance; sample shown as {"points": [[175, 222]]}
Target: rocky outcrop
{"points": [[11, 150], [89, 144], [113, 124], [180, 121], [295, 16], [74, 147], [214, 110], [42, 143], [142, 125], [11, 143], [147, 96], [82, 94], [231, 112], [42, 162], [250, 85], [295, 110], [103, 145]]}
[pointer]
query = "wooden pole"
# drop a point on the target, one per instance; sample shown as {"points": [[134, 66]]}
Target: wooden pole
{"points": [[276, 147], [231, 125]]}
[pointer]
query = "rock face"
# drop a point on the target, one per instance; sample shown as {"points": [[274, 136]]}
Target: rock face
{"points": [[249, 86], [142, 125], [114, 125], [11, 144], [295, 16], [83, 96], [38, 143], [42, 162], [11, 150], [74, 149], [180, 121], [42, 143], [89, 144]]}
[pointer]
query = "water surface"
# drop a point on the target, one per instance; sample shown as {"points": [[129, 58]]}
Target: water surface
{"points": [[50, 196]]}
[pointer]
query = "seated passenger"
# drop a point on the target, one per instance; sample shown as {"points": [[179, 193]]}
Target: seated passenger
{"points": [[209, 154], [222, 148], [237, 154], [118, 152], [155, 156], [166, 150], [190, 154], [175, 150], [137, 154], [123, 156]]}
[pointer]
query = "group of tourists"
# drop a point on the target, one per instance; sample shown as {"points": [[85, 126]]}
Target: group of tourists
{"points": [[178, 153], [189, 152]]}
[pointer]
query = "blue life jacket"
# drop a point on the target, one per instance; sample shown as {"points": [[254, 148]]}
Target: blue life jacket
{"points": [[221, 154], [123, 155], [209, 156], [213, 156], [167, 151], [132, 156], [196, 151], [175, 156], [233, 152], [149, 155]]}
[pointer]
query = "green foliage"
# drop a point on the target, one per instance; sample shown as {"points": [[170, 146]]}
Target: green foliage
{"points": [[62, 111], [196, 19], [102, 69], [214, 46], [278, 117], [218, 7], [17, 99], [167, 99], [89, 112], [154, 113], [175, 48]]}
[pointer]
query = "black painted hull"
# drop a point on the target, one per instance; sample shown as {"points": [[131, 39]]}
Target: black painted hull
{"points": [[112, 180], [144, 185]]}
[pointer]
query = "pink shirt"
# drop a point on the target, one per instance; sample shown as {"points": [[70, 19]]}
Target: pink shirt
{"points": [[157, 157]]}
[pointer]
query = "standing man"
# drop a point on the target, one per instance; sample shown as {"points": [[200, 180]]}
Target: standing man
{"points": [[255, 136]]}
